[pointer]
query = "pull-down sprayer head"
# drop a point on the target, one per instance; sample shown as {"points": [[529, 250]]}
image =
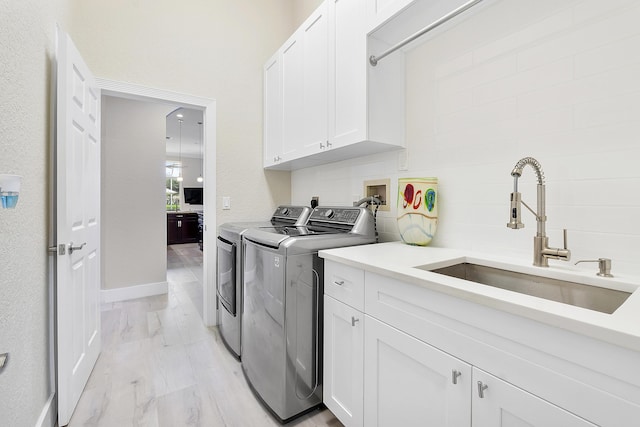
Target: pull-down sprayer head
{"points": [[516, 207], [516, 198]]}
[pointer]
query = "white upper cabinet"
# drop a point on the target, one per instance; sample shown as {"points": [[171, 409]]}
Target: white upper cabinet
{"points": [[295, 81], [273, 111], [348, 85], [292, 96], [314, 87], [334, 106]]}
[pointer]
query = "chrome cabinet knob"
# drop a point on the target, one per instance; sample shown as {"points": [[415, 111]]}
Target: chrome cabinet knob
{"points": [[454, 376], [481, 388]]}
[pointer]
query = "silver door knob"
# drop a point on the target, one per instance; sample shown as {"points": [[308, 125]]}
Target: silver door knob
{"points": [[75, 248]]}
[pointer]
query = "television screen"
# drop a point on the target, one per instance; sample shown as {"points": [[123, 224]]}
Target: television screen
{"points": [[193, 196]]}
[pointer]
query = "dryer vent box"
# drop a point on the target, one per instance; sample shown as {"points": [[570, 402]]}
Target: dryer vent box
{"points": [[380, 189]]}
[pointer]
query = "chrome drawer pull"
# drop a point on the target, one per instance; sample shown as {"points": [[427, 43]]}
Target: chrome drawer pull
{"points": [[454, 376], [340, 283], [481, 389], [354, 321]]}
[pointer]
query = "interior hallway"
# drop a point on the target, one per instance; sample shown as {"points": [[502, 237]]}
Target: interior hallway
{"points": [[160, 366]]}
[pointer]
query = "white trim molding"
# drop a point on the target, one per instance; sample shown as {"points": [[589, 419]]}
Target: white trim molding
{"points": [[134, 91], [208, 105], [133, 292], [48, 416]]}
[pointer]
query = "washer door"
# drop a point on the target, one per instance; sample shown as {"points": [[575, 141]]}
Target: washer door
{"points": [[226, 280]]}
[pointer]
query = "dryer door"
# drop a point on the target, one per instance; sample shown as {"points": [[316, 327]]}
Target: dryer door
{"points": [[226, 280]]}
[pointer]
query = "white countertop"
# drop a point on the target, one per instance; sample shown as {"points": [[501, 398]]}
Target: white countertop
{"points": [[397, 260]]}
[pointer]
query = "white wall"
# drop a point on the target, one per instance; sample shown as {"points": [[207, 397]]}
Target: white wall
{"points": [[302, 9], [134, 223], [27, 45], [213, 49], [554, 80]]}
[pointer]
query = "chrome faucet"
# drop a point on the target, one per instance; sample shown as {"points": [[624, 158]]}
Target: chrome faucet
{"points": [[541, 250]]}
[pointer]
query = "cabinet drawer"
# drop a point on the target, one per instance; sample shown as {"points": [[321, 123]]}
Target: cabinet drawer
{"points": [[345, 284]]}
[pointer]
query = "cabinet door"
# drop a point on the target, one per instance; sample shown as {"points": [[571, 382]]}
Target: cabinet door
{"points": [[502, 404], [315, 74], [348, 77], [173, 232], [343, 356], [272, 137], [410, 383], [190, 228], [292, 96]]}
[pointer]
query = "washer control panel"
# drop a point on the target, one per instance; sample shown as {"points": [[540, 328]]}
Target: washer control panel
{"points": [[335, 215], [291, 214]]}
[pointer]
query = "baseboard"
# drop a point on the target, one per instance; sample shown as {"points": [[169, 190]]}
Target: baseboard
{"points": [[133, 292], [48, 415]]}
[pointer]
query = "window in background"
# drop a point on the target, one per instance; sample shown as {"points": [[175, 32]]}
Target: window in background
{"points": [[173, 185]]}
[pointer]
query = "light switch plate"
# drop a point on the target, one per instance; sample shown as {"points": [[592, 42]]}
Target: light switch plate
{"points": [[403, 160], [226, 202]]}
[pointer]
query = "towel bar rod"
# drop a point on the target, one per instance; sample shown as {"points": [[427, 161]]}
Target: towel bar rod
{"points": [[373, 59]]}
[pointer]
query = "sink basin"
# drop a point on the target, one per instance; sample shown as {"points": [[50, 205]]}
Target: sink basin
{"points": [[586, 296]]}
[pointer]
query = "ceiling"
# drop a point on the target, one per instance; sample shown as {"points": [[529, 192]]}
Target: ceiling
{"points": [[191, 131]]}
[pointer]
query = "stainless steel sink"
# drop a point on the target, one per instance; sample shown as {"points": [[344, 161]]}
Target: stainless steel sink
{"points": [[591, 297]]}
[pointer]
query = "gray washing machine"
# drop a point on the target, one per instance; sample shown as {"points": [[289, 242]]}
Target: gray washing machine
{"points": [[229, 270], [282, 318]]}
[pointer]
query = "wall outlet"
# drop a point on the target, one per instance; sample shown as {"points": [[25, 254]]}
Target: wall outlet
{"points": [[379, 188]]}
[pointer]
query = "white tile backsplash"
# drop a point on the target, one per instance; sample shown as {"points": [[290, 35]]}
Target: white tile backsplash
{"points": [[619, 53], [559, 81]]}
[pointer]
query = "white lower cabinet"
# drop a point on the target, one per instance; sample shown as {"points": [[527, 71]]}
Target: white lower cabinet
{"points": [[343, 353], [384, 365], [497, 403], [410, 383]]}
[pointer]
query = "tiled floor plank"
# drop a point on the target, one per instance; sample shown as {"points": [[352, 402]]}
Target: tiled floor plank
{"points": [[160, 366]]}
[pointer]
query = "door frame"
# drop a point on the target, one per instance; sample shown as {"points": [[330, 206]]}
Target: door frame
{"points": [[208, 107]]}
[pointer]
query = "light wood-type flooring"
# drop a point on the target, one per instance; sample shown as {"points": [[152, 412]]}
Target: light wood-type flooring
{"points": [[160, 366]]}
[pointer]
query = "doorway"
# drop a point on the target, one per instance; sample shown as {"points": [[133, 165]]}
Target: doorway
{"points": [[207, 107]]}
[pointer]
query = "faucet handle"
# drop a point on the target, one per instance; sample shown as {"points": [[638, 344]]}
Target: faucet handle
{"points": [[604, 266]]}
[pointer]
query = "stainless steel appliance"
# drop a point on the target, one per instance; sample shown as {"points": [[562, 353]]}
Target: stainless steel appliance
{"points": [[282, 318], [229, 270]]}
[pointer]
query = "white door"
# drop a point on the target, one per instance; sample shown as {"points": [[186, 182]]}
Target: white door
{"points": [[77, 225], [343, 385], [292, 97], [272, 111], [497, 403], [409, 383], [314, 81], [348, 79]]}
